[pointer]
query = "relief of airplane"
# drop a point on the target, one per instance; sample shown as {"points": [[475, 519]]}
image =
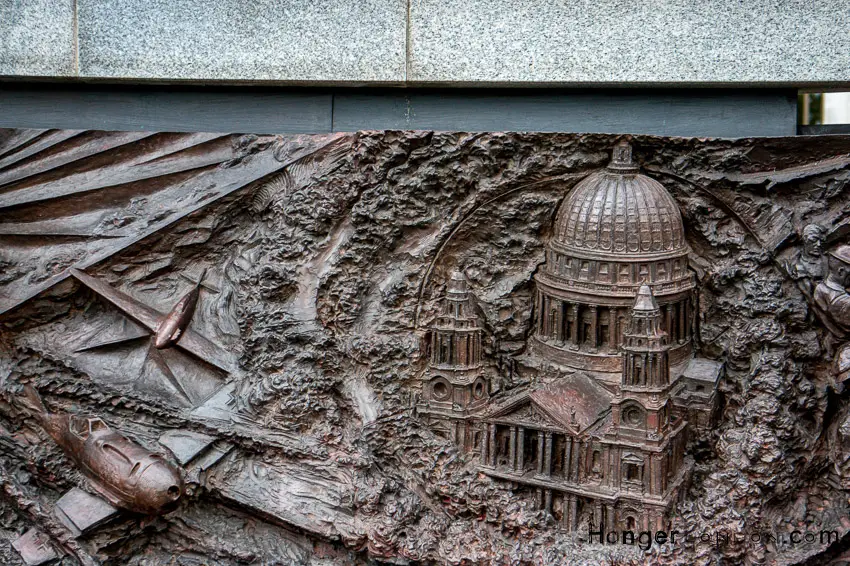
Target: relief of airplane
{"points": [[126, 474], [167, 330]]}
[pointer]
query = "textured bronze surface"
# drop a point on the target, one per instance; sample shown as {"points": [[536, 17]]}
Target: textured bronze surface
{"points": [[424, 348]]}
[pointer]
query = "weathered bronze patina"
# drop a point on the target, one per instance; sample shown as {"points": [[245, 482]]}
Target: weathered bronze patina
{"points": [[434, 348]]}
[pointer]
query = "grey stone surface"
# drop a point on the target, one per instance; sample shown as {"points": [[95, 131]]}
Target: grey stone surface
{"points": [[431, 42], [37, 37], [263, 40], [620, 41]]}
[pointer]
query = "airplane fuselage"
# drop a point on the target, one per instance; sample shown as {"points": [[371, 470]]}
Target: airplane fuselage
{"points": [[125, 473], [172, 327]]}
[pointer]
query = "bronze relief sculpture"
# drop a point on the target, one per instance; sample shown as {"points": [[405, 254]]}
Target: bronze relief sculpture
{"points": [[419, 347], [625, 363]]}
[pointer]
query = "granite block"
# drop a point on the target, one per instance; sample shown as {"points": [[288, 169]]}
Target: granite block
{"points": [[285, 41], [615, 42], [37, 38]]}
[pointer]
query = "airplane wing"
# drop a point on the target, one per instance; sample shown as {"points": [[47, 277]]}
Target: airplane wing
{"points": [[203, 348], [156, 357], [139, 312]]}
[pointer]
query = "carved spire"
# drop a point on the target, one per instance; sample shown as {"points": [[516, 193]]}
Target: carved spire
{"points": [[645, 347], [646, 320]]}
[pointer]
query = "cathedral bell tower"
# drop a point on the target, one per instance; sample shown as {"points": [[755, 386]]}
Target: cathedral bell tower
{"points": [[645, 361], [643, 408], [455, 385]]}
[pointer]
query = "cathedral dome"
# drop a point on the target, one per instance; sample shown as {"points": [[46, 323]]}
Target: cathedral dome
{"points": [[615, 233], [619, 212]]}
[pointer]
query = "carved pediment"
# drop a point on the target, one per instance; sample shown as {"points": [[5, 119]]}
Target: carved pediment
{"points": [[531, 414]]}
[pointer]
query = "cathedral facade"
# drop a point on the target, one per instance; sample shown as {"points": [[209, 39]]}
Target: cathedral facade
{"points": [[602, 443]]}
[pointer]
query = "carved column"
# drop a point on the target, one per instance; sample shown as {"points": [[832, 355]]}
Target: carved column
{"points": [[547, 466], [539, 311], [606, 455], [565, 315], [512, 448], [559, 322], [568, 458], [650, 369], [594, 326], [573, 512], [576, 456], [544, 314], [485, 443], [540, 448], [613, 468], [609, 518], [520, 452], [597, 515], [668, 318], [681, 332], [575, 324], [491, 438], [656, 469], [548, 503], [612, 330]]}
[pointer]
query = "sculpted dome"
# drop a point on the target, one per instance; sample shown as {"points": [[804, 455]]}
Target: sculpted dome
{"points": [[621, 212]]}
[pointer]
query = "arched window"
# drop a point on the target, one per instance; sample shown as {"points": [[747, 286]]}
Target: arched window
{"points": [[479, 389], [440, 390]]}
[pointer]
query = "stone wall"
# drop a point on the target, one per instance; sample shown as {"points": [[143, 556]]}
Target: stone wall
{"points": [[430, 42]]}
